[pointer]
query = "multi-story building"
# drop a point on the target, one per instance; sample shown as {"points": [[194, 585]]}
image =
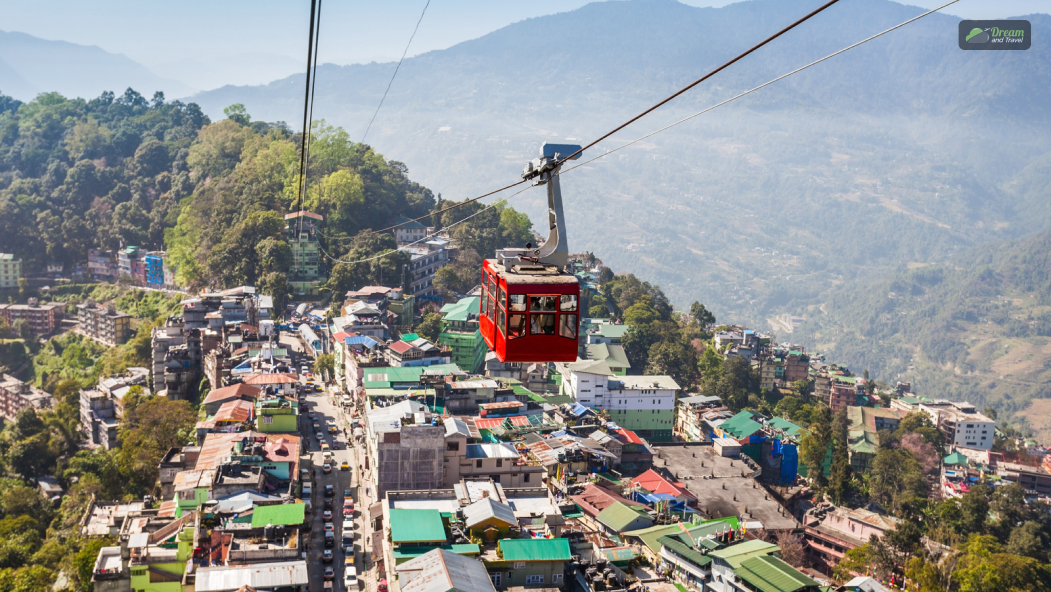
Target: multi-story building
{"points": [[102, 407], [130, 264], [831, 532], [425, 261], [153, 261], [362, 319], [460, 333], [405, 447], [417, 352], [10, 271], [688, 416], [306, 273], [409, 231], [103, 323], [753, 565], [961, 423], [102, 265], [644, 404], [16, 395], [42, 318]]}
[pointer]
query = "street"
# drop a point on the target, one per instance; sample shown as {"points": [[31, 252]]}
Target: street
{"points": [[321, 403]]}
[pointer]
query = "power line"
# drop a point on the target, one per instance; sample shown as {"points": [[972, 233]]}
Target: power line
{"points": [[752, 90], [653, 133], [306, 109], [310, 120], [398, 67], [647, 111]]}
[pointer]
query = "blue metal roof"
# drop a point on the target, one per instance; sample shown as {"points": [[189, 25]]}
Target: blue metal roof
{"points": [[577, 409], [364, 340]]}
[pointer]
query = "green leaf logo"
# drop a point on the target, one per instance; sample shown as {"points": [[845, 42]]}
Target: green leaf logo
{"points": [[977, 35]]}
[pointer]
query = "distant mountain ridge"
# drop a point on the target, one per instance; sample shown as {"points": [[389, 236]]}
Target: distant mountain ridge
{"points": [[31, 65]]}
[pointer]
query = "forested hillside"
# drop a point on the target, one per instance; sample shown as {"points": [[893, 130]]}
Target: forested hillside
{"points": [[977, 328]]}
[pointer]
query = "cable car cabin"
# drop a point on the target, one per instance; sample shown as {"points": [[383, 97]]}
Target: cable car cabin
{"points": [[529, 313]]}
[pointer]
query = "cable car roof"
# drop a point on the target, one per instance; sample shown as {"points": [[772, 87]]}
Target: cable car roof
{"points": [[548, 275]]}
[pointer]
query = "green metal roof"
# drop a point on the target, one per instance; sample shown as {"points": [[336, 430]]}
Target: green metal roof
{"points": [[459, 310], [410, 552], [409, 337], [786, 426], [770, 574], [613, 355], [731, 520], [388, 376], [278, 515], [685, 551], [651, 536], [612, 331], [619, 516], [741, 425], [735, 554], [955, 459], [416, 526], [535, 549], [619, 554]]}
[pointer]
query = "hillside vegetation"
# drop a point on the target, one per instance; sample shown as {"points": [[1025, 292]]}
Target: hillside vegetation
{"points": [[977, 329]]}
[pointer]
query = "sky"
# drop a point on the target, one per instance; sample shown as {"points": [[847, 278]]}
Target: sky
{"points": [[208, 43]]}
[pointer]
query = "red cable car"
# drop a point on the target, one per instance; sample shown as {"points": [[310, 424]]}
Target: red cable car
{"points": [[530, 307]]}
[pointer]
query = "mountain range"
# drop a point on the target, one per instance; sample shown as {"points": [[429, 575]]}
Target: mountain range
{"points": [[904, 149], [30, 66]]}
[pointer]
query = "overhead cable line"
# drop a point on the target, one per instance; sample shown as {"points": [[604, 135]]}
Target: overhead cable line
{"points": [[310, 119], [306, 109], [393, 76], [752, 90], [664, 101], [667, 127]]}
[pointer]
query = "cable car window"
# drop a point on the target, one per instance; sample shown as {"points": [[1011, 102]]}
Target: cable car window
{"points": [[492, 286], [542, 303], [569, 302], [501, 298], [516, 326], [489, 307], [500, 319], [567, 325], [542, 324], [518, 302]]}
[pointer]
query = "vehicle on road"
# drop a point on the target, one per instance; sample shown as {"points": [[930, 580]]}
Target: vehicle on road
{"points": [[330, 527], [347, 502], [346, 497], [326, 555], [327, 456], [319, 435], [335, 444], [348, 512], [330, 540], [326, 468], [332, 429], [381, 586], [330, 491], [344, 466], [350, 576], [328, 503], [330, 574], [326, 515], [317, 426], [325, 447], [310, 414], [348, 526]]}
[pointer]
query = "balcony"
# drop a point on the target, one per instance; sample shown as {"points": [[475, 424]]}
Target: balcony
{"points": [[108, 564]]}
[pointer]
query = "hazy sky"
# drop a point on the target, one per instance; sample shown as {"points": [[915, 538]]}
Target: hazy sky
{"points": [[207, 43]]}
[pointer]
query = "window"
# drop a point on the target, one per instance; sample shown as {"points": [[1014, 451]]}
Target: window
{"points": [[567, 326], [520, 564], [568, 303], [556, 578], [452, 446], [534, 579], [500, 320], [499, 463], [517, 302], [495, 577], [516, 325], [542, 303], [542, 324], [478, 464], [525, 478], [268, 419]]}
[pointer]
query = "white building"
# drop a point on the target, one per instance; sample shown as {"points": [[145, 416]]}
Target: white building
{"points": [[962, 424], [644, 404]]}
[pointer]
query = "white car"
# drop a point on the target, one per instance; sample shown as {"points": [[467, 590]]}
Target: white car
{"points": [[350, 577], [348, 527]]}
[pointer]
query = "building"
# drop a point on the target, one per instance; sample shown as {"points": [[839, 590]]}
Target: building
{"points": [[130, 264], [644, 404], [236, 392], [424, 262], [404, 443], [832, 531], [306, 274], [689, 414], [277, 414], [409, 231], [102, 265], [413, 350], [961, 423], [16, 395], [619, 517], [153, 262], [613, 355], [43, 318], [461, 334], [608, 334], [361, 318], [754, 565], [529, 562], [102, 407], [863, 433], [440, 570], [10, 271], [103, 323]]}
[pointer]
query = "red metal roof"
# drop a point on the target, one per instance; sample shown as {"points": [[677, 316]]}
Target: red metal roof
{"points": [[488, 423], [594, 499], [232, 391], [236, 410], [401, 346], [654, 482], [630, 436], [277, 378]]}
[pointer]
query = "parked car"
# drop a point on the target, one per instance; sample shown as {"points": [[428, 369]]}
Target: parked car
{"points": [[348, 512], [344, 466], [350, 577], [346, 496]]}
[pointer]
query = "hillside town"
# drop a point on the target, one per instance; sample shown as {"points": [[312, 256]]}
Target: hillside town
{"points": [[337, 448]]}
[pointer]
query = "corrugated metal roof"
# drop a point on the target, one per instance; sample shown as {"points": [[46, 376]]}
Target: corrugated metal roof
{"points": [[741, 425], [487, 508], [736, 554], [262, 575], [535, 549], [278, 515], [770, 574], [442, 571], [502, 450], [620, 516], [416, 526]]}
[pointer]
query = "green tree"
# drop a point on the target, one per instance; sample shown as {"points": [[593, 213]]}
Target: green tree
{"points": [[895, 478], [839, 475], [814, 447], [430, 326], [238, 114], [974, 509], [674, 358], [325, 365], [147, 432], [701, 314], [275, 285], [275, 255]]}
